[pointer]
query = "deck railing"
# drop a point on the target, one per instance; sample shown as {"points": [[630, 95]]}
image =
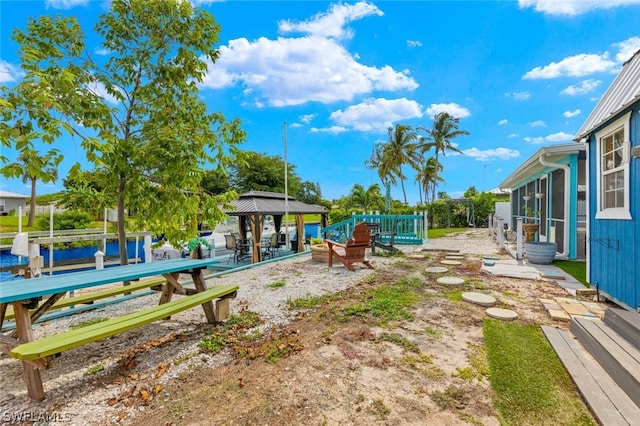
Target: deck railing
{"points": [[409, 229]]}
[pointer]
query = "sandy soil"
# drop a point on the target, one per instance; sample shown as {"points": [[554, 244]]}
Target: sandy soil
{"points": [[349, 373]]}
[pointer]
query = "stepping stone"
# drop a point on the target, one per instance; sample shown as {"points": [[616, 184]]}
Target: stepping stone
{"points": [[491, 257], [437, 269], [489, 262], [559, 314], [479, 298], [451, 262], [450, 281], [502, 314], [417, 256], [454, 257]]}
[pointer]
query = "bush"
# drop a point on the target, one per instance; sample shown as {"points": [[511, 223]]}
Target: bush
{"points": [[65, 220]]}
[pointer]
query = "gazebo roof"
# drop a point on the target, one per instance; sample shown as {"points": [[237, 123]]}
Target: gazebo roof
{"points": [[273, 203]]}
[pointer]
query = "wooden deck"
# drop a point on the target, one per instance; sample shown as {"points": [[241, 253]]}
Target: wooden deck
{"points": [[603, 359], [608, 402]]}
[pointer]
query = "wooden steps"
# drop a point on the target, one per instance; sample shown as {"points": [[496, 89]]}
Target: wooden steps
{"points": [[608, 402], [603, 359]]}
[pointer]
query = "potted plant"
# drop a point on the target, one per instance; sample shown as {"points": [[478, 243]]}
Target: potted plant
{"points": [[529, 226], [319, 250]]}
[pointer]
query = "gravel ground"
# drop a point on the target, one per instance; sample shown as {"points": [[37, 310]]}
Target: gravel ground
{"points": [[137, 361]]}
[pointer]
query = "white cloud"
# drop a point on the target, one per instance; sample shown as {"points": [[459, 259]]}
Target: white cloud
{"points": [[9, 72], [65, 4], [414, 43], [559, 137], [585, 87], [570, 114], [536, 141], [503, 122], [572, 7], [554, 137], [518, 96], [99, 89], [538, 123], [101, 52], [293, 71], [295, 125], [332, 129], [573, 66], [453, 109], [627, 48], [491, 154], [377, 114], [306, 118], [332, 23], [513, 135]]}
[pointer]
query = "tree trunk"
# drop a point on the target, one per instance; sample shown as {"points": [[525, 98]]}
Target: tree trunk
{"points": [[32, 207], [122, 232]]}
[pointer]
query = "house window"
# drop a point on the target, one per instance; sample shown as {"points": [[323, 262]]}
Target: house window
{"points": [[613, 170]]}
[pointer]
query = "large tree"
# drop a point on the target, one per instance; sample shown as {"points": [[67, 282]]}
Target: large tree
{"points": [[256, 171], [139, 115], [389, 157], [366, 199], [400, 150], [428, 177], [32, 167], [445, 128]]}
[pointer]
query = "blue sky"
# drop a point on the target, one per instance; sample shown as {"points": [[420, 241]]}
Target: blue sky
{"points": [[519, 74]]}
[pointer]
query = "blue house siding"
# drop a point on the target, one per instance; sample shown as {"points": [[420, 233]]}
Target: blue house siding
{"points": [[614, 263]]}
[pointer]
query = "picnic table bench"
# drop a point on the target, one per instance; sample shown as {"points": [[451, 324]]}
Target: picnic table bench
{"points": [[382, 239], [25, 295]]}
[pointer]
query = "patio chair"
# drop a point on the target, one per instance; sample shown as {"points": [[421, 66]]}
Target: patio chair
{"points": [[274, 245], [354, 250], [230, 244]]}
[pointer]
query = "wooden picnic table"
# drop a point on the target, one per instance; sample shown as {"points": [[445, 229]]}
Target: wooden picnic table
{"points": [[26, 294]]}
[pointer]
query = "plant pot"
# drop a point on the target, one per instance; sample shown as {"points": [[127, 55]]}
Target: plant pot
{"points": [[320, 253], [530, 230], [541, 253]]}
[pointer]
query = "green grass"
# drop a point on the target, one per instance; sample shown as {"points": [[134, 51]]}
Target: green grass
{"points": [[443, 232], [577, 270], [277, 284], [387, 303], [528, 378]]}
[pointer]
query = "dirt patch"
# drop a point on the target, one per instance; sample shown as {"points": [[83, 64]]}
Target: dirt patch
{"points": [[351, 370]]}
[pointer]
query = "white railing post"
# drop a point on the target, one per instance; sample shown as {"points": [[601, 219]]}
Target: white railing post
{"points": [[148, 257], [519, 246], [99, 255], [500, 233]]}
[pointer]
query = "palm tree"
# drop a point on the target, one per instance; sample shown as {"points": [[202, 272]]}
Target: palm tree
{"points": [[400, 149], [445, 129], [32, 167], [429, 176], [366, 199]]}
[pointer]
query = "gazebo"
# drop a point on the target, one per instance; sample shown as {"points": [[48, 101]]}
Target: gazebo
{"points": [[254, 205]]}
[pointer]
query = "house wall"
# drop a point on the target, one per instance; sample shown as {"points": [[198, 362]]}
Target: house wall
{"points": [[550, 182], [9, 204], [614, 245]]}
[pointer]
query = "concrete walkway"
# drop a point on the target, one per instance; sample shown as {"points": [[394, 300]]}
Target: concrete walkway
{"points": [[480, 243]]}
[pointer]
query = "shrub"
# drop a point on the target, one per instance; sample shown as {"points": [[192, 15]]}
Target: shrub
{"points": [[65, 220]]}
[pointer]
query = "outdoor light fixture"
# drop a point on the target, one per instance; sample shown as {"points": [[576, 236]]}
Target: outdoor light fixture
{"points": [[539, 195], [526, 197]]}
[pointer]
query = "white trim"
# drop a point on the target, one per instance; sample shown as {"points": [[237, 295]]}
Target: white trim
{"points": [[623, 213]]}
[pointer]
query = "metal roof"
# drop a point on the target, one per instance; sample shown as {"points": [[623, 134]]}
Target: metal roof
{"points": [[624, 91], [532, 166], [7, 194], [273, 203]]}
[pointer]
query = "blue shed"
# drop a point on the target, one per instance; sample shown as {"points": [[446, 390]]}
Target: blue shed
{"points": [[612, 132]]}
